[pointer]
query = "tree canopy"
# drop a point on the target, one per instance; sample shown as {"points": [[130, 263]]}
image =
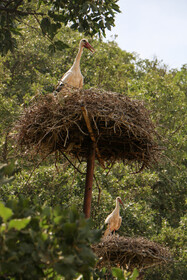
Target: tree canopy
{"points": [[90, 17]]}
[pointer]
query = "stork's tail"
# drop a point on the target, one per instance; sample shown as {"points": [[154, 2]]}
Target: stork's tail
{"points": [[58, 88]]}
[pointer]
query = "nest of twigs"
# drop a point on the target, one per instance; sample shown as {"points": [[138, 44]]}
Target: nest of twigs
{"points": [[120, 127], [129, 253]]}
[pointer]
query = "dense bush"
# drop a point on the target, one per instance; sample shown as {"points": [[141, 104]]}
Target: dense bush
{"points": [[38, 242]]}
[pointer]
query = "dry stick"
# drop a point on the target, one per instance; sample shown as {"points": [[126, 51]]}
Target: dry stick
{"points": [[90, 130], [99, 190], [141, 168], [56, 161], [109, 169], [72, 163], [36, 167]]}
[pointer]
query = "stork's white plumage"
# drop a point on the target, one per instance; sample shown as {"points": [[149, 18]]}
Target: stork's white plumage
{"points": [[73, 76], [114, 220]]}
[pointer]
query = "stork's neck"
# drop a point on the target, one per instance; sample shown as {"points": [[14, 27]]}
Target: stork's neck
{"points": [[117, 205], [76, 63]]}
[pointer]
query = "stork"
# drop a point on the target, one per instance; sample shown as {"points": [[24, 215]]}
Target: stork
{"points": [[114, 220], [73, 76]]}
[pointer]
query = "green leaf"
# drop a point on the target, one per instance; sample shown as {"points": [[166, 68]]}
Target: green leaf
{"points": [[66, 270], [85, 6], [52, 49], [116, 8], [5, 212], [2, 227], [16, 31], [58, 220], [60, 45], [45, 25], [69, 260], [9, 168], [2, 166], [117, 272], [4, 181], [19, 223], [70, 228], [134, 275], [47, 212], [39, 4]]}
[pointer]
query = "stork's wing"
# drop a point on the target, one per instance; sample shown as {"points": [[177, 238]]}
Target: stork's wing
{"points": [[108, 219], [119, 223], [72, 78], [67, 77]]}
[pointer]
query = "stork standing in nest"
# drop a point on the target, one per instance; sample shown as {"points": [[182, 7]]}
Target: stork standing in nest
{"points": [[114, 219], [73, 76]]}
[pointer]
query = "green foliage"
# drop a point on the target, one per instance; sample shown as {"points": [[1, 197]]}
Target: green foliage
{"points": [[123, 275], [38, 242], [176, 240], [5, 212], [176, 271], [109, 61], [166, 98], [90, 17], [6, 172]]}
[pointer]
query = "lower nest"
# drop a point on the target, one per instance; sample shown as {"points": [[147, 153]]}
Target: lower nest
{"points": [[121, 127], [129, 253]]}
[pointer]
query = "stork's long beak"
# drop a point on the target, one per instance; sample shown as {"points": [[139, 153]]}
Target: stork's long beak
{"points": [[88, 46], [121, 202]]}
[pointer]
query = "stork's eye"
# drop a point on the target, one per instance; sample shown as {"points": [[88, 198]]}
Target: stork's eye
{"points": [[84, 41]]}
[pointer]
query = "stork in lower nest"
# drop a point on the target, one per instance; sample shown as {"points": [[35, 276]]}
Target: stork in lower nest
{"points": [[114, 219], [73, 76]]}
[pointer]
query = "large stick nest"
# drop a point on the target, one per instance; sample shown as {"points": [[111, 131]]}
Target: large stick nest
{"points": [[120, 126], [129, 253]]}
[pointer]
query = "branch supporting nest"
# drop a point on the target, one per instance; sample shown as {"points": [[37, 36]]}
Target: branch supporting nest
{"points": [[129, 253], [90, 130]]}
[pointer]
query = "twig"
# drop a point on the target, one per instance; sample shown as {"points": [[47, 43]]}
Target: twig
{"points": [[35, 168], [112, 164], [72, 163], [99, 190], [141, 168]]}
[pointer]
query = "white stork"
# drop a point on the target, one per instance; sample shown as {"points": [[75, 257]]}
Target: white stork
{"points": [[73, 76], [114, 220]]}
